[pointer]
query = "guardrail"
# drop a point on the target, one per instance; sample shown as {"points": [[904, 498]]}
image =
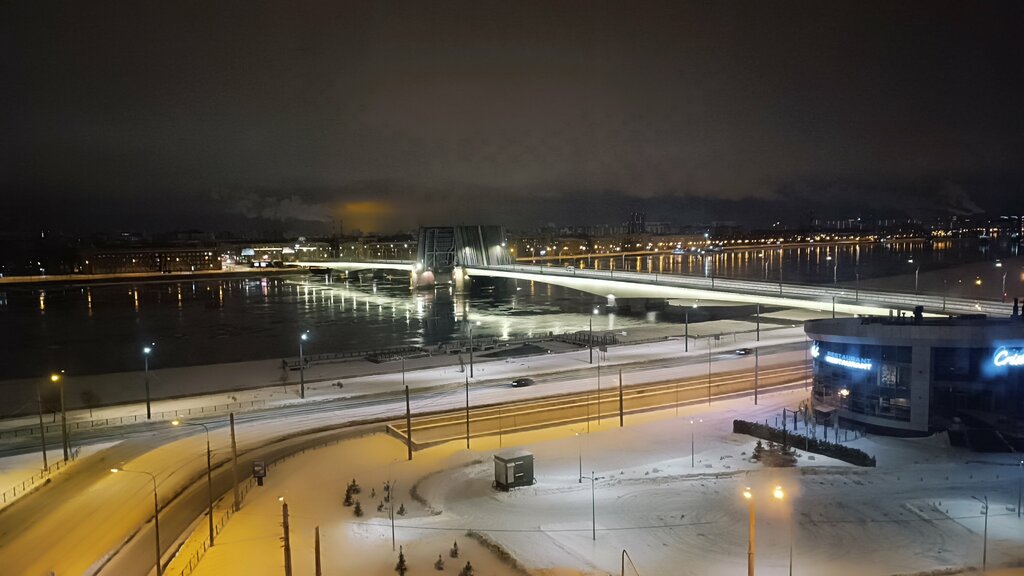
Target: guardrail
{"points": [[55, 427], [844, 295], [11, 494]]}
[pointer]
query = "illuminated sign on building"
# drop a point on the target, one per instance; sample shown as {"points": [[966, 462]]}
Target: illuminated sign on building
{"points": [[1008, 357], [842, 359]]}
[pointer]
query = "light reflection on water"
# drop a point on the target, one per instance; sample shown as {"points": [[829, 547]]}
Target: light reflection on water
{"points": [[99, 328], [812, 264]]}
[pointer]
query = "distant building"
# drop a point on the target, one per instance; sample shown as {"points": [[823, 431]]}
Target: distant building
{"points": [[149, 259], [637, 223], [268, 253]]}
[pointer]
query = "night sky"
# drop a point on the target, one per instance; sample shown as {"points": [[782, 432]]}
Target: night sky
{"points": [[291, 115]]}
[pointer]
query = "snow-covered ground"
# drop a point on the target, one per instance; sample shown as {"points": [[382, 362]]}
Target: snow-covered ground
{"points": [[913, 513], [68, 510]]}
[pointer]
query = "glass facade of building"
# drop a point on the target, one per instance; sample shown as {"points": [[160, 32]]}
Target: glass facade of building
{"points": [[980, 380], [863, 379], [914, 375]]}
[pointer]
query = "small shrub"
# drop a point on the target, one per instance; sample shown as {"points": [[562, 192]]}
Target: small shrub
{"points": [[401, 566], [815, 445]]}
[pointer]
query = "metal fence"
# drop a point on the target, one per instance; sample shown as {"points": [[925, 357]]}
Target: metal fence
{"points": [[55, 427], [36, 479]]}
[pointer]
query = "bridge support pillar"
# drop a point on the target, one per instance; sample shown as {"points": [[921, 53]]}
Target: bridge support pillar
{"points": [[460, 279], [427, 279], [637, 304]]}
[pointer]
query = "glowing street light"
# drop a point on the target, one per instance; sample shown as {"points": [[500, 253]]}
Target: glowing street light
{"points": [[917, 272], [748, 495], [146, 351], [302, 366], [58, 378]]}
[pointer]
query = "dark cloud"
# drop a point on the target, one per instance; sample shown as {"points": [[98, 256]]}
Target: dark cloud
{"points": [[118, 113]]}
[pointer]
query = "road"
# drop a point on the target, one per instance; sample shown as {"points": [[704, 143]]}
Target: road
{"points": [[594, 406]]}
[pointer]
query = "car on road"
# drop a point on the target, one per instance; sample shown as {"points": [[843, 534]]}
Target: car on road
{"points": [[570, 268], [520, 382], [744, 351]]}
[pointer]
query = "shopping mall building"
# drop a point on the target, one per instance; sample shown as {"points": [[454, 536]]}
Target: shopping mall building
{"points": [[913, 375]]}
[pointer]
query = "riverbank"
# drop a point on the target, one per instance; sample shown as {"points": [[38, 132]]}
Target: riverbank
{"points": [[128, 277], [120, 395]]}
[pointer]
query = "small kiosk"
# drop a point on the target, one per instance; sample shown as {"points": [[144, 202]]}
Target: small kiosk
{"points": [[513, 468]]}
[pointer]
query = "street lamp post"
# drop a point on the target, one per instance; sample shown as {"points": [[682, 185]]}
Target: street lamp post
{"points": [[748, 494], [590, 337], [593, 503], [209, 469], [286, 537], [758, 316], [146, 350], [42, 428], [984, 545], [709, 370], [302, 366], [693, 461], [471, 348], [1020, 485], [156, 514], [579, 451], [686, 331], [781, 256], [599, 388], [58, 378]]}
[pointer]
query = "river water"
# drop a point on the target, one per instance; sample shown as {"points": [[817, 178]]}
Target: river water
{"points": [[90, 329]]}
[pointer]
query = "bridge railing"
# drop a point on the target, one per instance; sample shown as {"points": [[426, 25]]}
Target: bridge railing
{"points": [[823, 294]]}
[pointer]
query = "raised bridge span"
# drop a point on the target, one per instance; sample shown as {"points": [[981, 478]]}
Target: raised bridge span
{"points": [[624, 285]]}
